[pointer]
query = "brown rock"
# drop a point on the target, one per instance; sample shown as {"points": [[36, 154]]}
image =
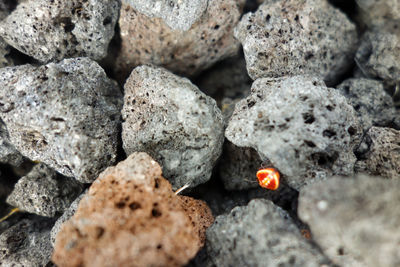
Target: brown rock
{"points": [[131, 217], [147, 40]]}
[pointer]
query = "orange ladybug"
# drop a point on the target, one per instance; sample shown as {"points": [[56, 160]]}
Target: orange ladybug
{"points": [[268, 178]]}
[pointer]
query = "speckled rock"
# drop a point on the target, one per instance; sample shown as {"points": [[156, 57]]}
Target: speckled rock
{"points": [[378, 12], [354, 220], [259, 234], [63, 114], [5, 61], [8, 153], [294, 37], [380, 153], [27, 243], [44, 192], [65, 217], [150, 40], [378, 55], [172, 120], [372, 103], [54, 30], [130, 214], [178, 15], [305, 129]]}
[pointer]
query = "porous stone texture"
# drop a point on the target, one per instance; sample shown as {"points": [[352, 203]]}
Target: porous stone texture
{"points": [[238, 167], [4, 48], [379, 53], [64, 114], [130, 215], [259, 234], [44, 192], [178, 15], [380, 153], [373, 105], [54, 30], [378, 12], [150, 40], [172, 120], [68, 213], [8, 153], [352, 217], [26, 243], [294, 37], [305, 129]]}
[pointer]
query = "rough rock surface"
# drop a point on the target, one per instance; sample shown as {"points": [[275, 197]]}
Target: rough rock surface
{"points": [[44, 192], [304, 128], [379, 53], [8, 153], [259, 234], [65, 217], [354, 220], [294, 37], [63, 114], [130, 214], [54, 30], [380, 153], [26, 243], [5, 61], [378, 12], [172, 120], [150, 40], [372, 103], [178, 15]]}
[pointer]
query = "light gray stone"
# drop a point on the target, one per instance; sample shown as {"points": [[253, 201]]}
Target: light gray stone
{"points": [[65, 217], [305, 129], [355, 221], [373, 105], [378, 12], [65, 115], [27, 243], [54, 30], [177, 14], [379, 153], [292, 37], [173, 121], [259, 234], [8, 153], [44, 192]]}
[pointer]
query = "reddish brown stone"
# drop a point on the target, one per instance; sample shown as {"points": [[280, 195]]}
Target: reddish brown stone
{"points": [[131, 217]]}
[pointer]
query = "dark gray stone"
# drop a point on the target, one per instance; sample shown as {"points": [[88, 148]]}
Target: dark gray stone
{"points": [[292, 37], [373, 105], [377, 12], [66, 115], [259, 234], [355, 221], [173, 121], [27, 243], [306, 130], [54, 30], [44, 192]]}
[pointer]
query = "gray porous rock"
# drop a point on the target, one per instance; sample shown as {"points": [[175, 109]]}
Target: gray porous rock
{"points": [[259, 234], [54, 30], [147, 40], [65, 217], [292, 37], [27, 243], [4, 47], [379, 53], [305, 129], [172, 120], [177, 14], [373, 105], [66, 115], [238, 167], [8, 153], [44, 192], [355, 221], [378, 12], [380, 153]]}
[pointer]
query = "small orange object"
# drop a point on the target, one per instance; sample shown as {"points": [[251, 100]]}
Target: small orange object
{"points": [[268, 178]]}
